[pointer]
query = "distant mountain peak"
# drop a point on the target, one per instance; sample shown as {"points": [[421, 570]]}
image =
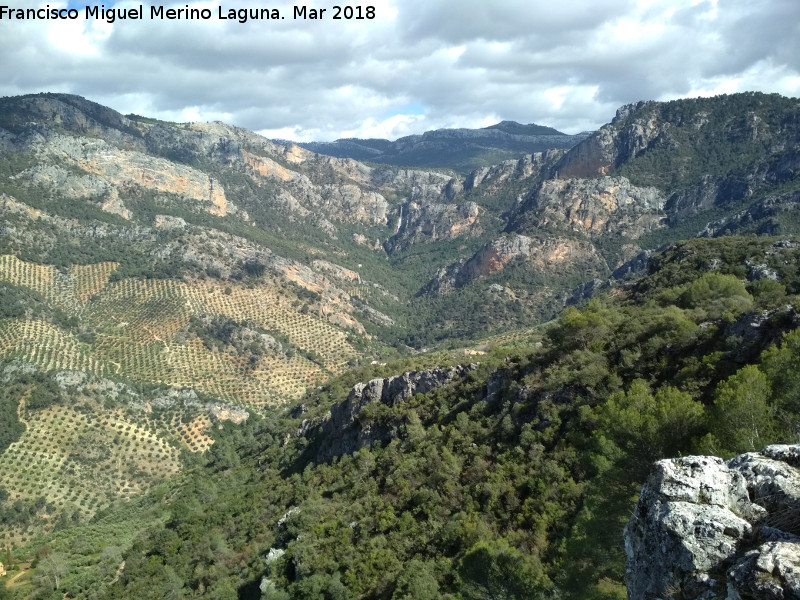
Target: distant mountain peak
{"points": [[461, 149], [515, 128]]}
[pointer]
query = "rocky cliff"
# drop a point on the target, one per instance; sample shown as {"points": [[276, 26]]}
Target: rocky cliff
{"points": [[613, 144], [553, 257], [344, 433], [703, 153], [84, 151], [594, 207], [705, 528]]}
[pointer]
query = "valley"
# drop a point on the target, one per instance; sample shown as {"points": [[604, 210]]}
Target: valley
{"points": [[233, 367]]}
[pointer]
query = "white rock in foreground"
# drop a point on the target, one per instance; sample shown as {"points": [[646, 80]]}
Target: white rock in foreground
{"points": [[707, 529]]}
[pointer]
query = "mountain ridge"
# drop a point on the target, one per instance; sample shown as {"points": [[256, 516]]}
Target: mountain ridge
{"points": [[460, 149], [160, 281]]}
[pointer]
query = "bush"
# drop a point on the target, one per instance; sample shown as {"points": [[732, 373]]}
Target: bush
{"points": [[718, 295]]}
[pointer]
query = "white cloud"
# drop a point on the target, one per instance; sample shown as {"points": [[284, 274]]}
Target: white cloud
{"points": [[394, 127], [460, 63]]}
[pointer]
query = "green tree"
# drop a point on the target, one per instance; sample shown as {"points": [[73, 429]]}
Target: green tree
{"points": [[417, 581], [646, 427], [742, 420], [495, 570], [718, 295], [581, 329], [768, 294], [781, 365]]}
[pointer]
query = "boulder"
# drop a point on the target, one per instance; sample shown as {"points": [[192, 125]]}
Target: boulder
{"points": [[705, 528]]}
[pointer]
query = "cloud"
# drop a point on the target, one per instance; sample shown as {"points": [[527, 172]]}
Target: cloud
{"points": [[458, 63]]}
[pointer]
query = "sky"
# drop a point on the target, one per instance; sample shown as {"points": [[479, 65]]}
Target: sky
{"points": [[418, 65]]}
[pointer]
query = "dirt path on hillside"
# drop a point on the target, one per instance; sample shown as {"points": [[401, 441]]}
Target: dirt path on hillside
{"points": [[21, 408], [13, 582]]}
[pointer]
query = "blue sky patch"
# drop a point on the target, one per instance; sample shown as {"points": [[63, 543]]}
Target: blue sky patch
{"points": [[415, 108], [82, 5]]}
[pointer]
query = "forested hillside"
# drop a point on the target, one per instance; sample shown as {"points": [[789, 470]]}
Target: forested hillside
{"points": [[512, 481], [238, 369]]}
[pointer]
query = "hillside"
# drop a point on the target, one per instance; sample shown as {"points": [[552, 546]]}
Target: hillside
{"points": [[202, 330], [513, 476]]}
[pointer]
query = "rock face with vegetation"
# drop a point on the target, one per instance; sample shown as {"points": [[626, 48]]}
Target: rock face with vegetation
{"points": [[345, 434], [710, 152], [705, 528], [146, 326], [595, 207], [543, 255]]}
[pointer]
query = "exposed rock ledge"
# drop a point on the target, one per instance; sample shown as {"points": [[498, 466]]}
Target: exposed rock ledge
{"points": [[345, 434], [704, 528]]}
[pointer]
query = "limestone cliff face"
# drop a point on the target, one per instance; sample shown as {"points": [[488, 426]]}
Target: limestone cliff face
{"points": [[81, 116], [83, 166], [345, 434], [704, 528], [612, 144], [432, 210], [553, 256], [419, 222], [88, 151], [594, 207], [526, 167], [703, 153], [326, 189]]}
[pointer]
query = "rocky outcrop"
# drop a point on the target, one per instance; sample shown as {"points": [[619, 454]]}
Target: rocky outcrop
{"points": [[419, 223], [523, 168], [102, 166], [87, 151], [704, 528], [743, 148], [765, 217], [612, 144], [78, 115], [362, 240], [344, 433], [336, 271], [549, 255], [594, 207], [587, 290]]}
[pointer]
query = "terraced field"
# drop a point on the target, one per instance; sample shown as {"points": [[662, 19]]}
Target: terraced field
{"points": [[137, 329], [46, 345], [70, 463], [77, 456]]}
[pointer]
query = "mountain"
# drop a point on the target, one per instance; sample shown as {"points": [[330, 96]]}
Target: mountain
{"points": [[462, 150], [218, 350], [514, 476]]}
